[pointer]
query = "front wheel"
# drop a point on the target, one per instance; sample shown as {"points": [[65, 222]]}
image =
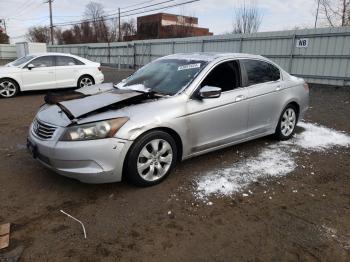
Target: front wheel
{"points": [[8, 88], [287, 123], [151, 158], [85, 81]]}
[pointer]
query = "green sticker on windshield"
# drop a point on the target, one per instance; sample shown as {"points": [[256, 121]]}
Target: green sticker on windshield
{"points": [[190, 66]]}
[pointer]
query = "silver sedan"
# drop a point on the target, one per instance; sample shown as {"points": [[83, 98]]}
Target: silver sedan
{"points": [[174, 108]]}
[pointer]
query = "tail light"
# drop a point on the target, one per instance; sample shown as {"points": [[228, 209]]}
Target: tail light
{"points": [[306, 86]]}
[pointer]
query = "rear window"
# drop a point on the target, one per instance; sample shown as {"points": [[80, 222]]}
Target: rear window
{"points": [[67, 61], [260, 72]]}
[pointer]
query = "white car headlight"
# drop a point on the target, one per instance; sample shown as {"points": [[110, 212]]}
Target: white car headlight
{"points": [[95, 130]]}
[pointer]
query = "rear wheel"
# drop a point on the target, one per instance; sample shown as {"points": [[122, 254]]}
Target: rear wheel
{"points": [[151, 158], [8, 88], [85, 81], [287, 123]]}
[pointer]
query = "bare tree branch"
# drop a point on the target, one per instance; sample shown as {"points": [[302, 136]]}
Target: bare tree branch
{"points": [[247, 19]]}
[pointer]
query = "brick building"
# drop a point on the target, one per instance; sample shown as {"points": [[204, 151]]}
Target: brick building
{"points": [[163, 25]]}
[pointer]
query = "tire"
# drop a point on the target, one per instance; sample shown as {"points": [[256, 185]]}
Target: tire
{"points": [[287, 123], [8, 88], [151, 158], [85, 80]]}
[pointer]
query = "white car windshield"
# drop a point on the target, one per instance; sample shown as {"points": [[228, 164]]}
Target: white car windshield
{"points": [[165, 76], [22, 60]]}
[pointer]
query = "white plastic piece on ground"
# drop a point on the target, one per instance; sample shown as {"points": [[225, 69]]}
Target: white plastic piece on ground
{"points": [[274, 161], [81, 223]]}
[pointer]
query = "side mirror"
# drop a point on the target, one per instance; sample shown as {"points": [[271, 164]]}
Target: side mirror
{"points": [[30, 66], [210, 92], [71, 64]]}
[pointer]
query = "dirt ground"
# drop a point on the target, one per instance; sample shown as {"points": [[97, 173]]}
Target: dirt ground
{"points": [[127, 223]]}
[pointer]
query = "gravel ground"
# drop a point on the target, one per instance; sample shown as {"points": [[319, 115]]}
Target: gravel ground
{"points": [[304, 216]]}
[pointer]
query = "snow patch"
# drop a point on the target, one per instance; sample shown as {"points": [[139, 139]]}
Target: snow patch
{"points": [[271, 162], [319, 138], [274, 161]]}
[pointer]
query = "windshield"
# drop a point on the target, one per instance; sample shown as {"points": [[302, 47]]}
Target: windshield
{"points": [[165, 76], [22, 60]]}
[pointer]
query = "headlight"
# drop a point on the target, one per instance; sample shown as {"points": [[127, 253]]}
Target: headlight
{"points": [[96, 130]]}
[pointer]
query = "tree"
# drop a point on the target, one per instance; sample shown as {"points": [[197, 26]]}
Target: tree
{"points": [[94, 12], [335, 12], [247, 19], [40, 34], [128, 28]]}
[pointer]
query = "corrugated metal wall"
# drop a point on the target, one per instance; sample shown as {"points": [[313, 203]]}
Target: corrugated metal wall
{"points": [[325, 60], [7, 52]]}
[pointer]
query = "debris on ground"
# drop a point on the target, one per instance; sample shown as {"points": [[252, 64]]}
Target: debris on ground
{"points": [[81, 223], [4, 235]]}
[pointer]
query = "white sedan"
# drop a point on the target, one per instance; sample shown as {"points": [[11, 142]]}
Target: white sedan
{"points": [[48, 71]]}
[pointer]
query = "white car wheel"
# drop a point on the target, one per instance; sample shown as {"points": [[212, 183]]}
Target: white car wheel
{"points": [[8, 88], [85, 81]]}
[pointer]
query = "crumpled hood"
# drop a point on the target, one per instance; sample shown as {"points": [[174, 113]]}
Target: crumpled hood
{"points": [[79, 107], [98, 97]]}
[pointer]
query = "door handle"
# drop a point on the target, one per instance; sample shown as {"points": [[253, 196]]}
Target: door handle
{"points": [[50, 72], [239, 98], [278, 88]]}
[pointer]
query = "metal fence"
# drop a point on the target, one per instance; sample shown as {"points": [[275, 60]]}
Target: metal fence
{"points": [[7, 53], [319, 55]]}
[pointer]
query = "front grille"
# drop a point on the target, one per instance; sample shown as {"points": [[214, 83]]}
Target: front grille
{"points": [[42, 130]]}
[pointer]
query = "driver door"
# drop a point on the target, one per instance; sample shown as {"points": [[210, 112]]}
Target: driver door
{"points": [[215, 122], [41, 76]]}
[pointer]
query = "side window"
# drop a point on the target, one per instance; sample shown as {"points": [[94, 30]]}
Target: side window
{"points": [[67, 61], [260, 72], [226, 76], [43, 61]]}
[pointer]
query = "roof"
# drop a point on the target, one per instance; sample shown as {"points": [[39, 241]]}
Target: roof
{"points": [[209, 56], [50, 53]]}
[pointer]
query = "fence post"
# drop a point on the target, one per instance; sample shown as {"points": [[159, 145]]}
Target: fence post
{"points": [[240, 44], [173, 47], [150, 53], [134, 51], [291, 54], [202, 46]]}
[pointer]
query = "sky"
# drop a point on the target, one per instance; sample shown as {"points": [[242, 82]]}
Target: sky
{"points": [[217, 15]]}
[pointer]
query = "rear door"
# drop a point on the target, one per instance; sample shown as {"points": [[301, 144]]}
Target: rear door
{"points": [[67, 71], [263, 81], [42, 76], [215, 122]]}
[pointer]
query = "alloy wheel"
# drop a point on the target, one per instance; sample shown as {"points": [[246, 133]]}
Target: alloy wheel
{"points": [[86, 81], [288, 122], [7, 89], [154, 160]]}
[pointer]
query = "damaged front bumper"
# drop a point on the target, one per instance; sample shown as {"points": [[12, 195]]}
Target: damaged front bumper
{"points": [[92, 161]]}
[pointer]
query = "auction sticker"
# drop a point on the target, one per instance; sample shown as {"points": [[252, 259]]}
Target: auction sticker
{"points": [[190, 66]]}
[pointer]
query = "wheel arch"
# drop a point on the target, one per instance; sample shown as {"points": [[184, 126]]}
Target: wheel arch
{"points": [[291, 102], [171, 132], [86, 74], [297, 107], [12, 79]]}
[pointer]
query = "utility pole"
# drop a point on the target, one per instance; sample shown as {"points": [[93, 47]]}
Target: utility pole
{"points": [[51, 25], [119, 33], [318, 8]]}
